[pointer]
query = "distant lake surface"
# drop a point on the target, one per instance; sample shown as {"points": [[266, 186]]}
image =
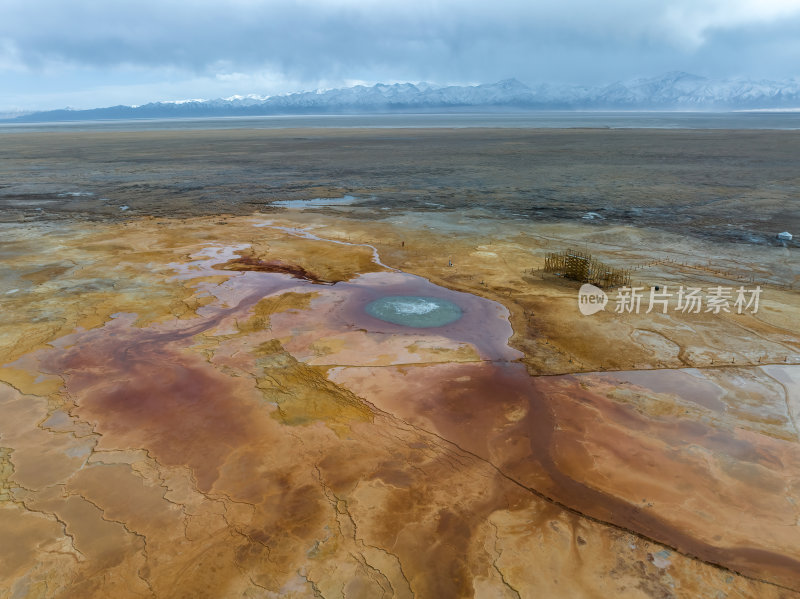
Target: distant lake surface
{"points": [[526, 120]]}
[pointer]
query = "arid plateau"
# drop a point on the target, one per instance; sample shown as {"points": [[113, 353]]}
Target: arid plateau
{"points": [[197, 398]]}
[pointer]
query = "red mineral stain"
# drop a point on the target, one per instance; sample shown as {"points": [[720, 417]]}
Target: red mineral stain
{"points": [[173, 404], [470, 405], [139, 385], [250, 263]]}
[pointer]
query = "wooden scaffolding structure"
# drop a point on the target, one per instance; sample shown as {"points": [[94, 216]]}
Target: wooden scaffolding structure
{"points": [[580, 266]]}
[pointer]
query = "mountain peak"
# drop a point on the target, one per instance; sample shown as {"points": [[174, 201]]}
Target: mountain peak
{"points": [[511, 84], [680, 76]]}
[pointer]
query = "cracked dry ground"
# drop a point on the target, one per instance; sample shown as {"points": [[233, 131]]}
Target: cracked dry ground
{"points": [[200, 408]]}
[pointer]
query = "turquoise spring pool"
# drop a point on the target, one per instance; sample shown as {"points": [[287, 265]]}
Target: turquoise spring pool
{"points": [[414, 311]]}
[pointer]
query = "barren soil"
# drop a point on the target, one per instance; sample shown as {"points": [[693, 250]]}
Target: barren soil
{"points": [[195, 403]]}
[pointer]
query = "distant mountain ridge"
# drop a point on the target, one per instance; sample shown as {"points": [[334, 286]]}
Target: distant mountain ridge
{"points": [[672, 91]]}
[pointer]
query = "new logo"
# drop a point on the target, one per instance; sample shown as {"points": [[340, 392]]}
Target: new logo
{"points": [[591, 299]]}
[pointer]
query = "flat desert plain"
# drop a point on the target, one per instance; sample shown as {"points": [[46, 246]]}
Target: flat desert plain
{"points": [[197, 399]]}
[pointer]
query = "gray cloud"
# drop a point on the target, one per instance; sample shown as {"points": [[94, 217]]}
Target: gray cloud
{"points": [[203, 47]]}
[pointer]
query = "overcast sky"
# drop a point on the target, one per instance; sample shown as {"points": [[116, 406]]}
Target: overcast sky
{"points": [[88, 53]]}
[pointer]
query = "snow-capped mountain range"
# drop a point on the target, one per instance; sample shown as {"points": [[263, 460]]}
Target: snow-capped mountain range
{"points": [[672, 91]]}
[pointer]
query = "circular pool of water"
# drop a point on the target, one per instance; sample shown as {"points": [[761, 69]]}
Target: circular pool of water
{"points": [[414, 310]]}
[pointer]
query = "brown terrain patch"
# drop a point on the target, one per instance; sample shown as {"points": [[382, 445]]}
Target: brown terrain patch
{"points": [[249, 263]]}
